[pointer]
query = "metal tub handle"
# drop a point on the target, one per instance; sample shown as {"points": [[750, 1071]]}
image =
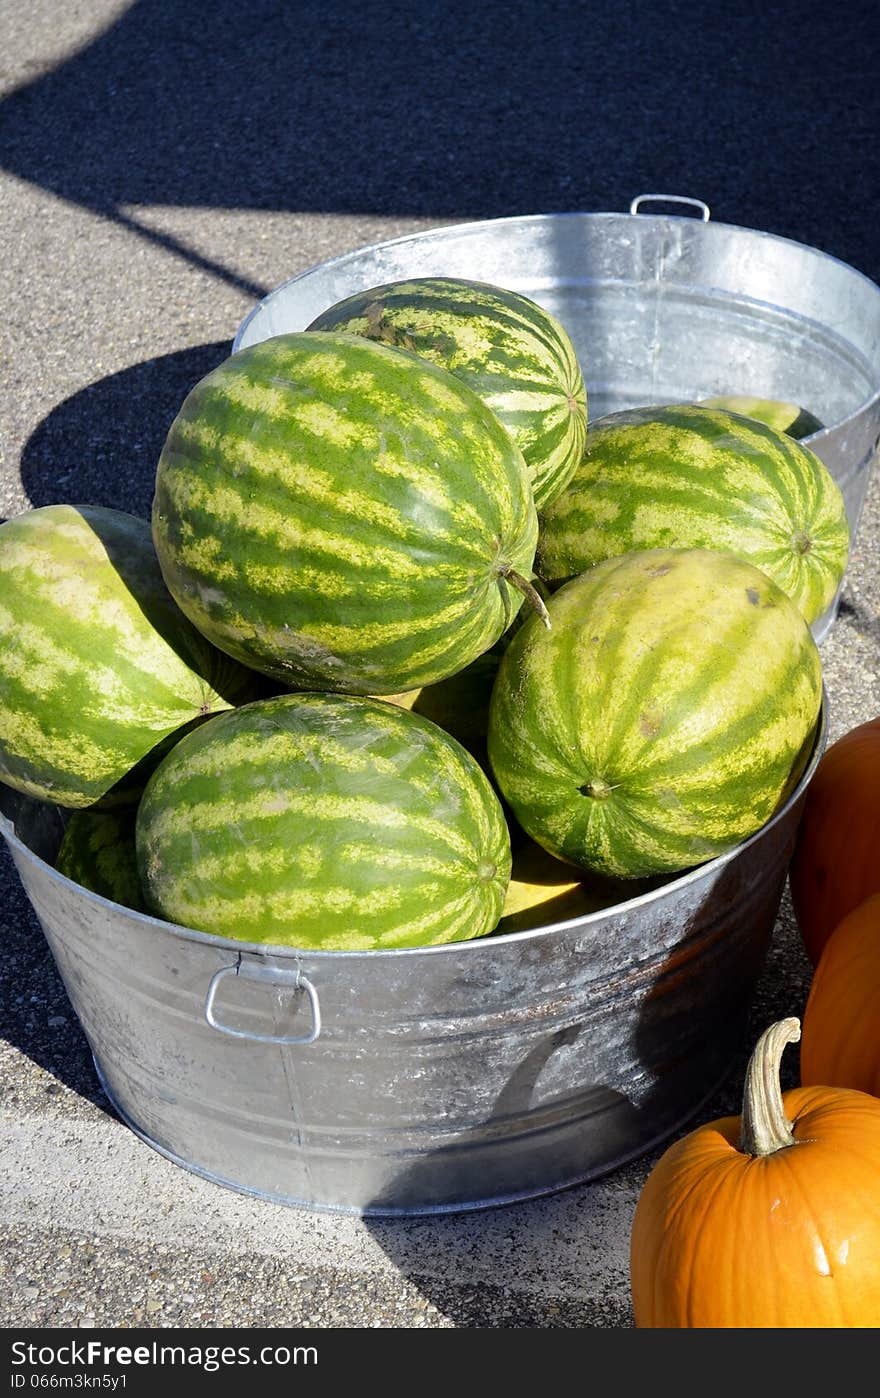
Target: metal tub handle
{"points": [[670, 199], [271, 975]]}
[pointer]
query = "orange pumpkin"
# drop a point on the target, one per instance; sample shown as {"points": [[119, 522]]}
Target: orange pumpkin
{"points": [[769, 1220], [841, 1030], [836, 862]]}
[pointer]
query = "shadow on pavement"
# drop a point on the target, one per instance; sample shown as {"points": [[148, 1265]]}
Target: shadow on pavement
{"points": [[101, 446], [35, 1013], [464, 111], [859, 615], [434, 1251]]}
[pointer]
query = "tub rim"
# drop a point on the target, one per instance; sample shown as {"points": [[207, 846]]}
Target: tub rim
{"points": [[470, 226]]}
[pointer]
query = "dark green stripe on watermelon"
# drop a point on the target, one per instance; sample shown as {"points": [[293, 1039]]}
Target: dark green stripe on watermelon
{"points": [[514, 354], [343, 516], [324, 821]]}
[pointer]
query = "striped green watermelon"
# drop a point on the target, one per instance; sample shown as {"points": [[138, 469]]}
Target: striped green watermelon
{"points": [[795, 421], [324, 821], [98, 852], [97, 664], [662, 719], [687, 476], [512, 353], [343, 516]]}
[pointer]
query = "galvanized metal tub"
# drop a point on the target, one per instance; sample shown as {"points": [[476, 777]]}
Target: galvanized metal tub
{"points": [[416, 1081], [661, 308]]}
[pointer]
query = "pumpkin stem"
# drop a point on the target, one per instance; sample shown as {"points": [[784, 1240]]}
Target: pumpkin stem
{"points": [[531, 594], [765, 1127]]}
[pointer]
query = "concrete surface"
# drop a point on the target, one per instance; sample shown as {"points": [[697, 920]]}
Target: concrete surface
{"points": [[156, 179]]}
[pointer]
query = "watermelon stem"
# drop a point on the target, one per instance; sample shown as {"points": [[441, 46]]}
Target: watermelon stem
{"points": [[531, 594], [598, 789]]}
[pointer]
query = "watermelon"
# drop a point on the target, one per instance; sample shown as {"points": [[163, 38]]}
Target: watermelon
{"points": [[98, 666], [662, 719], [324, 821], [512, 353], [695, 477], [795, 421], [343, 516], [98, 852]]}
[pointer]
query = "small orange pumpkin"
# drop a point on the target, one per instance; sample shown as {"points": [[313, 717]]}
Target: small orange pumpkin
{"points": [[841, 1030], [836, 861], [771, 1220]]}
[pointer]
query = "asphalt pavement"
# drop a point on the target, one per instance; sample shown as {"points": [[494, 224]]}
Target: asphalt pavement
{"points": [[159, 174]]}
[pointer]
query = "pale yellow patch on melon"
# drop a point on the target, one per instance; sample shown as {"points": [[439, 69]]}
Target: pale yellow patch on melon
{"points": [[311, 858], [263, 399], [307, 919], [324, 366], [322, 487], [378, 634], [207, 555], [391, 858], [600, 509], [442, 337], [549, 403], [32, 657], [325, 421], [444, 394], [25, 736], [212, 914]]}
